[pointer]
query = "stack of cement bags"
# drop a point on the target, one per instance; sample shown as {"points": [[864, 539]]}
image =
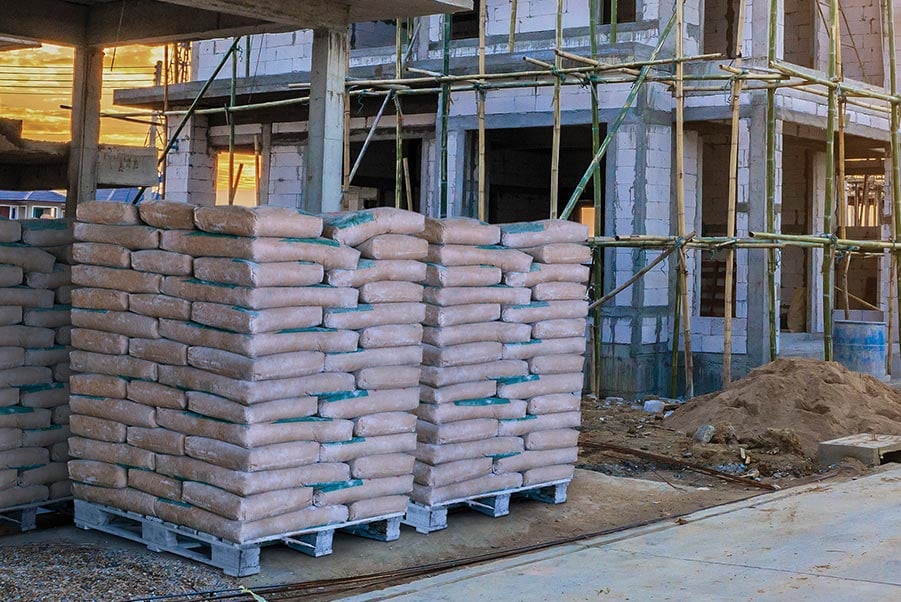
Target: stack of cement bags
{"points": [[34, 334], [204, 365], [556, 316], [463, 355]]}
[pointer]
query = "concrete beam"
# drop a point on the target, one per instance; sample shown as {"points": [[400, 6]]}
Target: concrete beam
{"points": [[325, 144], [51, 21], [86, 91]]}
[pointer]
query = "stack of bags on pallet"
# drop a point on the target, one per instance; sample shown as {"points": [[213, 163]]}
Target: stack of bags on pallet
{"points": [[35, 258], [556, 316], [204, 365]]}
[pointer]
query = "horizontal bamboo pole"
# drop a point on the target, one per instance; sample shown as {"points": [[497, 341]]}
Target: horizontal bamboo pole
{"points": [[845, 88]]}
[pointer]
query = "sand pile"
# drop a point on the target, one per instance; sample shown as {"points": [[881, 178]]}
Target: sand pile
{"points": [[816, 400]]}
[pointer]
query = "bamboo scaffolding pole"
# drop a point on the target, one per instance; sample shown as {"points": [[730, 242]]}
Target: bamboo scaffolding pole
{"points": [[848, 89], [829, 202], [480, 98], [770, 205], [863, 302], [840, 177], [889, 26], [369, 135], [511, 41], [407, 185], [345, 167], [232, 101], [597, 273], [445, 114], [257, 169], [165, 165], [728, 300], [614, 17], [398, 121], [555, 142]]}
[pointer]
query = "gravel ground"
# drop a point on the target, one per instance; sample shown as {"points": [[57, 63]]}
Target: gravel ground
{"points": [[64, 572]]}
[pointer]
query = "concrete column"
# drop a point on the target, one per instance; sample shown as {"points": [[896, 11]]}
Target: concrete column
{"points": [[325, 142], [86, 91]]}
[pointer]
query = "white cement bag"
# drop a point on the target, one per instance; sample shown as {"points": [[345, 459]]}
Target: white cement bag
{"points": [[10, 230], [11, 275], [553, 439], [495, 446], [360, 447], [268, 411], [538, 311], [257, 221], [24, 418], [25, 456], [384, 465], [258, 298], [456, 432], [26, 297], [356, 403], [536, 459], [451, 472], [128, 281], [158, 440], [26, 375], [458, 392], [559, 291], [120, 410], [162, 262], [167, 215], [372, 270], [469, 295], [393, 246], [242, 272], [95, 253], [47, 233], [118, 453], [396, 335], [252, 321], [379, 314], [543, 232], [560, 253], [267, 457], [537, 347], [437, 316], [29, 259], [556, 402], [97, 428], [461, 355], [114, 365], [105, 212], [533, 385], [47, 436], [440, 377], [509, 260], [126, 499], [160, 351], [119, 322], [375, 507], [391, 292], [98, 385], [11, 357], [159, 306], [10, 315], [368, 489], [556, 364], [471, 409], [233, 365], [462, 275], [357, 360], [355, 227], [543, 272], [497, 332], [556, 329], [544, 422], [387, 423], [326, 340], [154, 484], [98, 473], [131, 237], [548, 474], [100, 299], [387, 377], [465, 489], [44, 475], [460, 231], [155, 394], [47, 317], [250, 508]]}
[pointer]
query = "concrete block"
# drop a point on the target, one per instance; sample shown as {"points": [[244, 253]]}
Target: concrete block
{"points": [[870, 449]]}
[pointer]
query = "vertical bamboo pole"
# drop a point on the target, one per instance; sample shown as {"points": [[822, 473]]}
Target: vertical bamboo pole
{"points": [[680, 199], [165, 114], [511, 41], [829, 205], [445, 113], [896, 144], [733, 199], [480, 96], [597, 263], [257, 169], [407, 186], [232, 101], [840, 178], [614, 16], [398, 122], [772, 313], [555, 144], [346, 171], [677, 313]]}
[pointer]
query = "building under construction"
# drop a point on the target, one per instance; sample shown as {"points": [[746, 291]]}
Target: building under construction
{"points": [[672, 131]]}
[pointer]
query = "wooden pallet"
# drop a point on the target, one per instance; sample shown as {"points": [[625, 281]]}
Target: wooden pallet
{"points": [[426, 519], [237, 560], [25, 515]]}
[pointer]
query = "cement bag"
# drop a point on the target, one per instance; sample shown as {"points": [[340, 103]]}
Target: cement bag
{"points": [[11, 357], [24, 418], [267, 411], [384, 465], [538, 311], [60, 276], [47, 232], [381, 506], [98, 385], [440, 377], [249, 392], [105, 212], [160, 351], [469, 295], [242, 272], [524, 387], [391, 292], [62, 253], [120, 410], [535, 459], [267, 457], [16, 496], [10, 438], [97, 428], [63, 334], [95, 253], [59, 452], [249, 483], [119, 322], [387, 423], [498, 332], [48, 317], [544, 422], [461, 355], [451, 472], [548, 474], [363, 490], [100, 299], [250, 508], [280, 365], [387, 376], [11, 275], [256, 435], [560, 253], [508, 260], [124, 499], [26, 297], [449, 393], [27, 375], [257, 221], [353, 404], [114, 365], [359, 447], [557, 329], [24, 456], [357, 360], [114, 453], [380, 314], [155, 394], [43, 475], [167, 215], [355, 227], [557, 402], [553, 439], [327, 253], [247, 531], [98, 473], [162, 262], [10, 230], [556, 364], [258, 298], [128, 281], [536, 347], [471, 409], [462, 275], [465, 489], [159, 440], [130, 237], [45, 436], [559, 291], [393, 246], [439, 454], [159, 306], [29, 259], [10, 315], [460, 231], [154, 484], [543, 272], [435, 315], [9, 397], [542, 232], [100, 342], [325, 340], [371, 270], [395, 335], [456, 432]]}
